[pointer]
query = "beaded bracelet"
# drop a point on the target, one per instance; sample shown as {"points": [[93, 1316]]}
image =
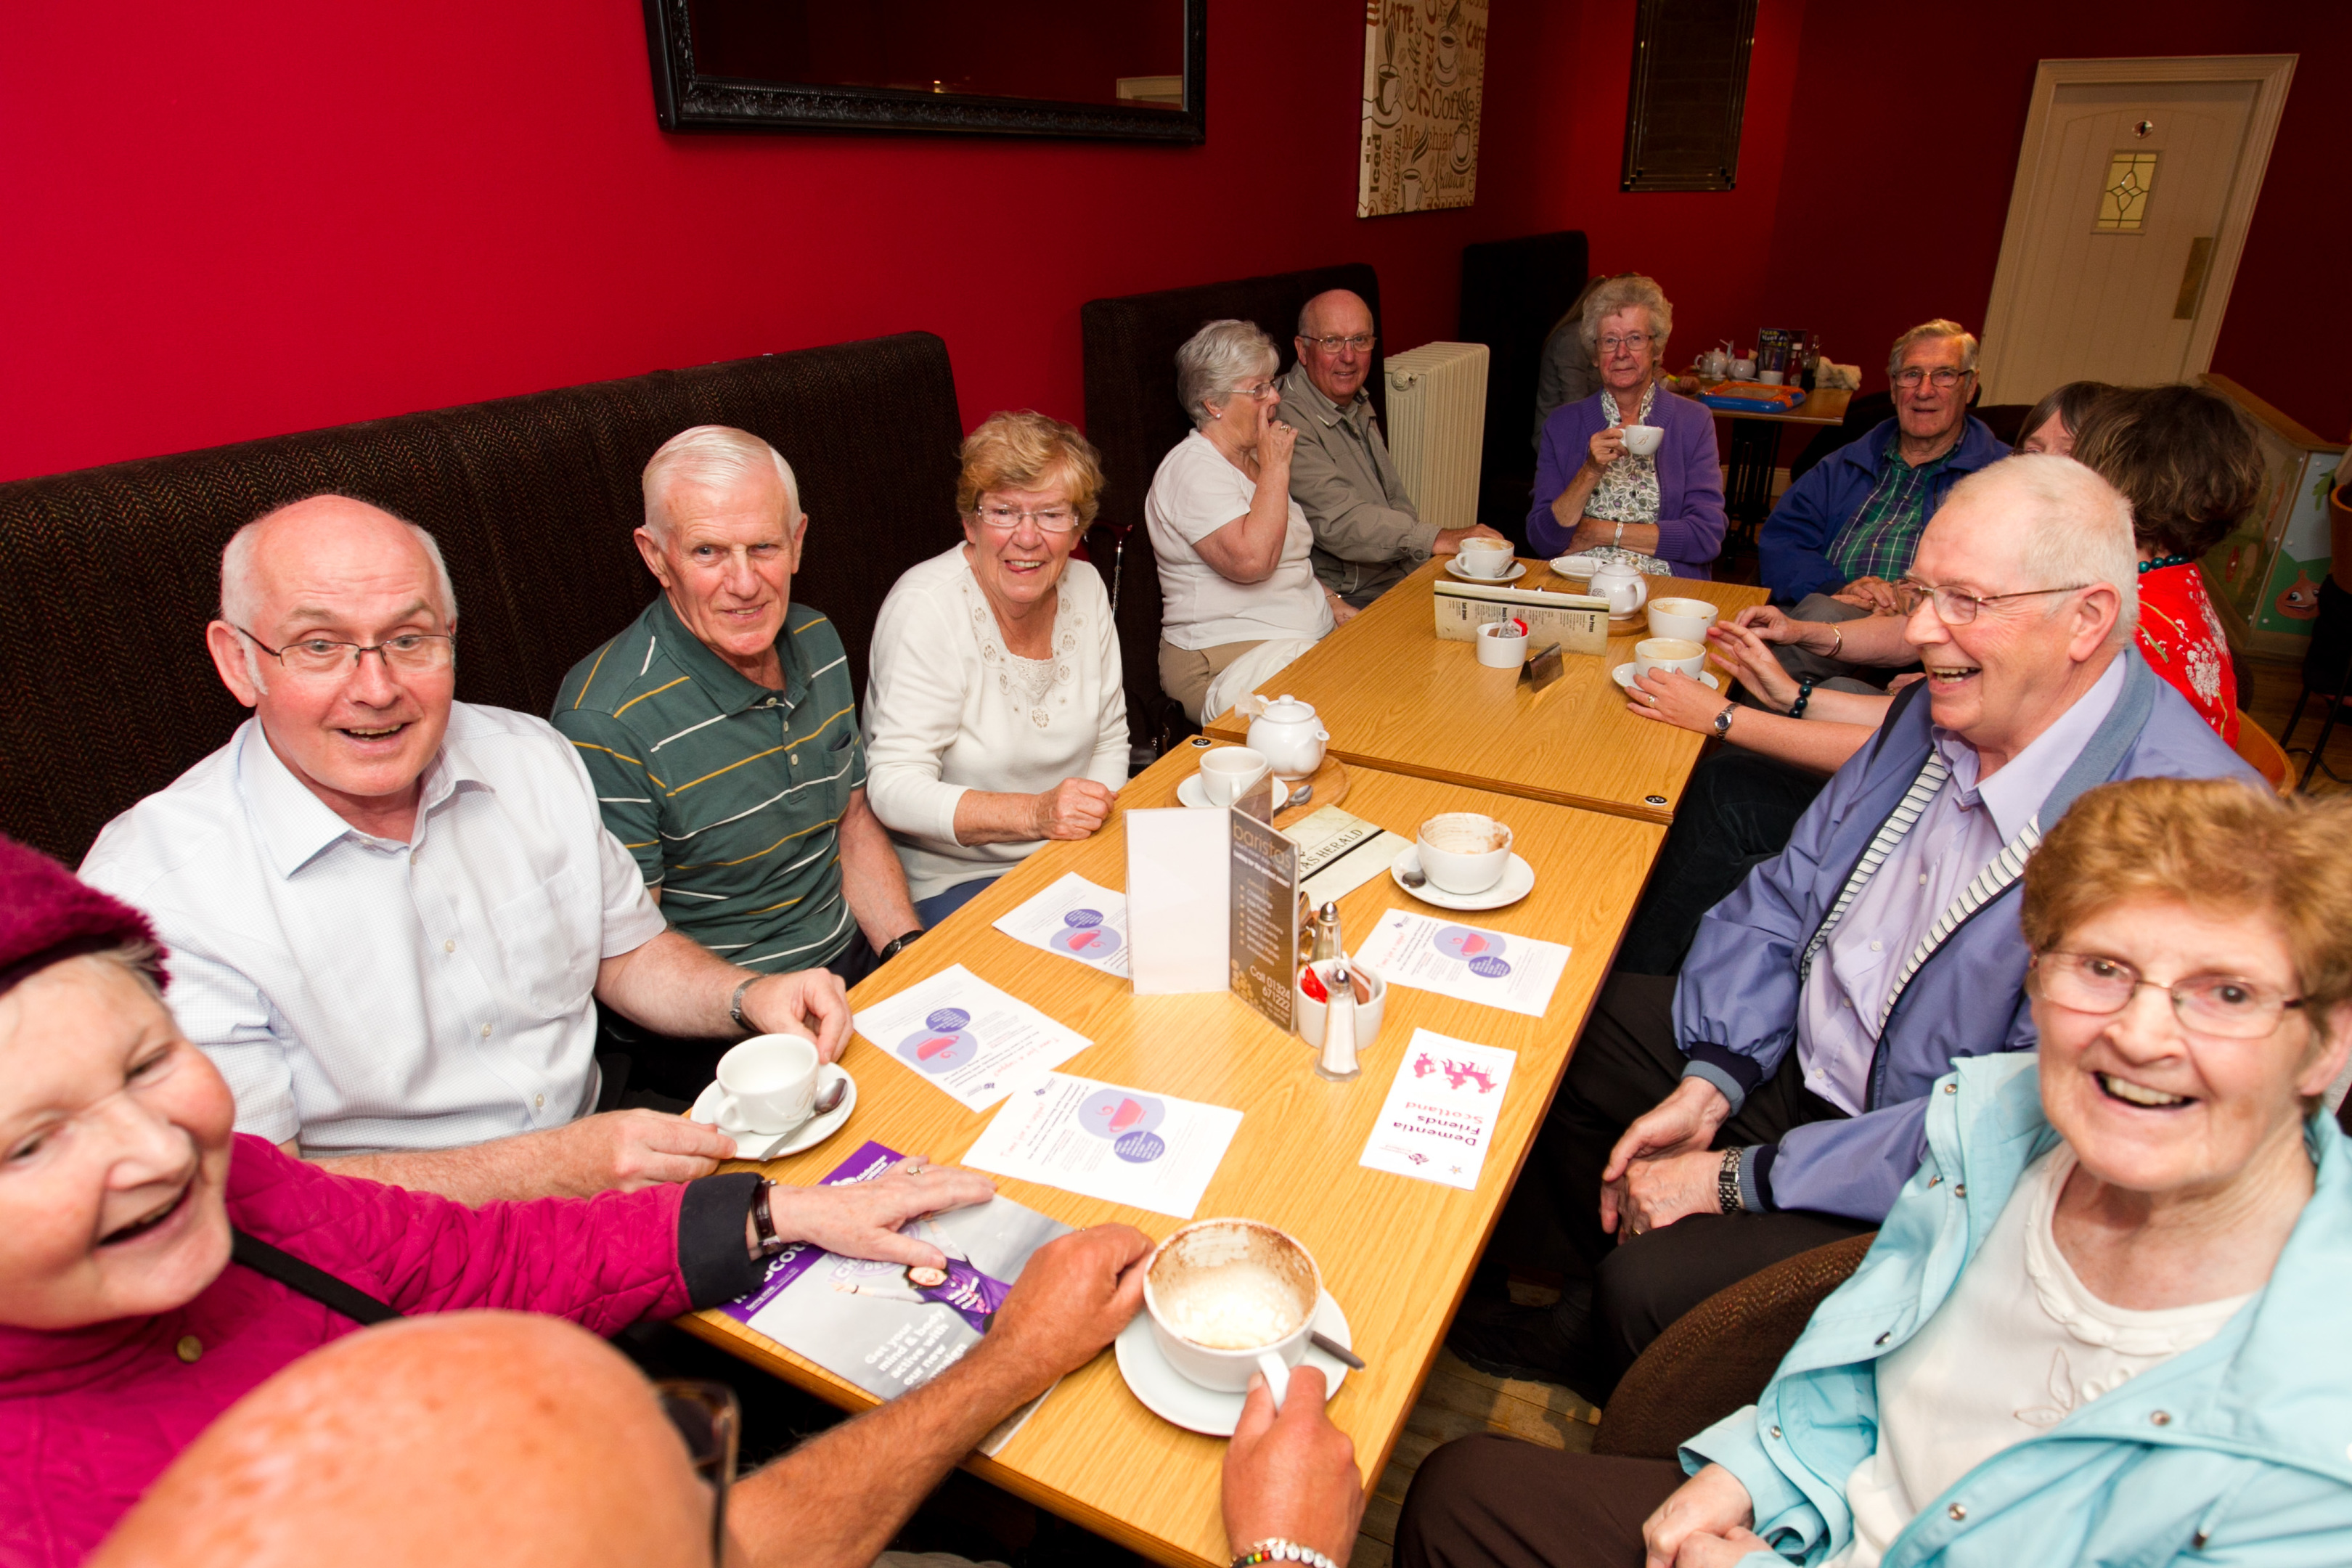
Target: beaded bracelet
{"points": [[1804, 695], [1276, 1550]]}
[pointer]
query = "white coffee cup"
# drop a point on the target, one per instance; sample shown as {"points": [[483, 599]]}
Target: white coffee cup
{"points": [[1465, 851], [1686, 618], [1502, 646], [1669, 653], [1232, 1297], [1227, 773], [1371, 1000], [1641, 440], [1485, 557], [767, 1084], [1771, 377]]}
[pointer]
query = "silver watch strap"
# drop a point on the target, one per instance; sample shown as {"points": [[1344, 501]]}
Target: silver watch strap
{"points": [[735, 1003]]}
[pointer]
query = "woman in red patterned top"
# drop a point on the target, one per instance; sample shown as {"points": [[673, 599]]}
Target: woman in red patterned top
{"points": [[2187, 460]]}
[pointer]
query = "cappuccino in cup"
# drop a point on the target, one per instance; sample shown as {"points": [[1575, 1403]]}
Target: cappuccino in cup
{"points": [[1485, 557], [1668, 653], [1232, 1297], [1465, 851]]}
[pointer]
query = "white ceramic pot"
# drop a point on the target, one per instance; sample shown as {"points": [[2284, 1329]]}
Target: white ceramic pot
{"points": [[1289, 737], [1624, 587]]}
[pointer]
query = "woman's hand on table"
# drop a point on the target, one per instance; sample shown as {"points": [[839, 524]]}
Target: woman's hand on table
{"points": [[1703, 1517], [1292, 1475], [1074, 808], [862, 1219], [1673, 698], [1747, 656]]}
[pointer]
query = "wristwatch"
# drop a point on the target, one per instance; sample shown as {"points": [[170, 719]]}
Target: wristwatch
{"points": [[735, 1003], [896, 945], [1723, 720], [1726, 1182], [763, 1224], [1619, 540]]}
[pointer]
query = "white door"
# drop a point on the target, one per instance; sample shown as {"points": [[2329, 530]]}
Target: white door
{"points": [[2125, 223]]}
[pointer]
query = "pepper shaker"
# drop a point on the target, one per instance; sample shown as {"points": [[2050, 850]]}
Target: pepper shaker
{"points": [[1327, 934]]}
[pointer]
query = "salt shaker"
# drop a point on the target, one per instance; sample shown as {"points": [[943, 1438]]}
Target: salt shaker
{"points": [[1327, 934], [1338, 1061]]}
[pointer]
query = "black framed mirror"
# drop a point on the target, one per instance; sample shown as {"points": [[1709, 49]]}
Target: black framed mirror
{"points": [[1135, 71]]}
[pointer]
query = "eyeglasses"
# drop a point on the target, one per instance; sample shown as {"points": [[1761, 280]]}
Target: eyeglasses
{"points": [[1945, 379], [1258, 393], [325, 656], [1957, 606], [2225, 1007], [711, 1422], [1359, 341], [1049, 519], [1636, 340]]}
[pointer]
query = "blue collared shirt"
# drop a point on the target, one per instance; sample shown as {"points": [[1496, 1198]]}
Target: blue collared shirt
{"points": [[1962, 829]]}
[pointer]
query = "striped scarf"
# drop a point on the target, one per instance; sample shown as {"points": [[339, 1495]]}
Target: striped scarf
{"points": [[1986, 885]]}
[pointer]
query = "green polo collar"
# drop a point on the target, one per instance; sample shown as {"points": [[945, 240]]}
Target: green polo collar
{"points": [[728, 687]]}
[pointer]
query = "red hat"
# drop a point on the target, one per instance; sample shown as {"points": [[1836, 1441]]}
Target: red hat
{"points": [[48, 914]]}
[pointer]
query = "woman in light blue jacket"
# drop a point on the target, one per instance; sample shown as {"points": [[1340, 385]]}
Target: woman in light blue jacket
{"points": [[2104, 1322]]}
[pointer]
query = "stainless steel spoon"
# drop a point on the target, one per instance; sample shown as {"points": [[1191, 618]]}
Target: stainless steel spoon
{"points": [[1299, 796], [832, 1097], [1336, 1351], [1414, 878]]}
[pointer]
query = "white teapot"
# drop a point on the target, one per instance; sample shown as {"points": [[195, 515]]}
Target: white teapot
{"points": [[1616, 581], [1288, 736]]}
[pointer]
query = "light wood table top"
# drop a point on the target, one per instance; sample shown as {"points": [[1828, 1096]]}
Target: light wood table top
{"points": [[1396, 1253], [1394, 695], [1822, 406]]}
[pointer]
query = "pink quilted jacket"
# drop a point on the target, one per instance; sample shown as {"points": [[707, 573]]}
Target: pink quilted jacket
{"points": [[89, 1416]]}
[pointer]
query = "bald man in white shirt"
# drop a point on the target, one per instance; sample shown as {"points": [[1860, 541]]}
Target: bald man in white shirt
{"points": [[391, 914]]}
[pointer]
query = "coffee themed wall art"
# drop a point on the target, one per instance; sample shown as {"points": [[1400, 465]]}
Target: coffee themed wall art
{"points": [[1424, 74]]}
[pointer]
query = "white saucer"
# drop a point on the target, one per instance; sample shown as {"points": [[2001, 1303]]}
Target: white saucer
{"points": [[1189, 793], [1175, 1398], [1623, 676], [1519, 570], [1575, 566], [1518, 882], [807, 1135]]}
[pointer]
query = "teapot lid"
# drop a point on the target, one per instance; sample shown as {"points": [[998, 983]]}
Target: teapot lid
{"points": [[1288, 709]]}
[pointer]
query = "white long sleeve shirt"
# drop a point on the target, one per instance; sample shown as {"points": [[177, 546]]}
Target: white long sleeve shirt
{"points": [[948, 709]]}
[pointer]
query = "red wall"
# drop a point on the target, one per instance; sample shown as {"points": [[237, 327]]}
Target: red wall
{"points": [[229, 221], [1904, 143]]}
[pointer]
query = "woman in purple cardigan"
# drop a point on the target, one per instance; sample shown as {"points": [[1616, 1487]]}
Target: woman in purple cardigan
{"points": [[1663, 512]]}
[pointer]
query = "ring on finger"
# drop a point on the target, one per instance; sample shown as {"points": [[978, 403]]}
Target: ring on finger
{"points": [[913, 1167]]}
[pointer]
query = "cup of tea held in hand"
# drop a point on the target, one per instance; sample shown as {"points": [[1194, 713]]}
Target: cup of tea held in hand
{"points": [[1232, 1297], [1669, 653], [1641, 440], [1465, 851]]}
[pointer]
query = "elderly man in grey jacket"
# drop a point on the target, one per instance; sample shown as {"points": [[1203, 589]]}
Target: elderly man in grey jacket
{"points": [[1770, 1098], [1368, 532]]}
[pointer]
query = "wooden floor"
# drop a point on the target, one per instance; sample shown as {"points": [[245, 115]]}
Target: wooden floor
{"points": [[2275, 683]]}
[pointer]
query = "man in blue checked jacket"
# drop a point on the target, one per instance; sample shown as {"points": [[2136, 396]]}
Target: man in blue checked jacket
{"points": [[1768, 1100]]}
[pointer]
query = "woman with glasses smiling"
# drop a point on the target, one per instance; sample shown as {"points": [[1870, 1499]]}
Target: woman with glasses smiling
{"points": [[1234, 548], [995, 713], [1662, 511], [2101, 1322]]}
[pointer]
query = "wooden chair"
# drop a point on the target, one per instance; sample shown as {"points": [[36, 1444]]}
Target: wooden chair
{"points": [[1719, 1355], [2264, 754]]}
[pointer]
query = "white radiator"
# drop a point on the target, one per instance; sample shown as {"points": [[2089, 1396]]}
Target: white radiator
{"points": [[1437, 425]]}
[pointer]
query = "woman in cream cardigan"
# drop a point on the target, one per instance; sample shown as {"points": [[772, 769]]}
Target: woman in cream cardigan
{"points": [[995, 716]]}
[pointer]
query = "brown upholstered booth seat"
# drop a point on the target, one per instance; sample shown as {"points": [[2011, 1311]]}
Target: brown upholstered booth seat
{"points": [[1133, 418], [112, 572], [1718, 1356]]}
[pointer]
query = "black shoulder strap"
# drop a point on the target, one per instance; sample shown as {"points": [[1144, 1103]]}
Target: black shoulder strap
{"points": [[307, 1279]]}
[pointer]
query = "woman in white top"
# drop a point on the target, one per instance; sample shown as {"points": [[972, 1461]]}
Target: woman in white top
{"points": [[2104, 1321], [994, 715], [1232, 544]]}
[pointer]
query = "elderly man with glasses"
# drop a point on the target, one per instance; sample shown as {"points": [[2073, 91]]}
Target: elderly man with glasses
{"points": [[1769, 1098], [1368, 532], [390, 915], [1849, 526]]}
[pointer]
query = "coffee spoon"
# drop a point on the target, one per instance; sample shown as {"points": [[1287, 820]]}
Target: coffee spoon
{"points": [[1336, 1351]]}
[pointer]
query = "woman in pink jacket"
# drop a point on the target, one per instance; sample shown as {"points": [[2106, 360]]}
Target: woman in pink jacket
{"points": [[126, 1325]]}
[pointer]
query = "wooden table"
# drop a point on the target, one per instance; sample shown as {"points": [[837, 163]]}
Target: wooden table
{"points": [[1395, 697], [1755, 448], [1396, 1253]]}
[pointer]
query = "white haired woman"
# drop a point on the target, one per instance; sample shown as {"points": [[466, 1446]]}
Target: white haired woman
{"points": [[1663, 512], [995, 715], [2100, 1323], [1232, 545]]}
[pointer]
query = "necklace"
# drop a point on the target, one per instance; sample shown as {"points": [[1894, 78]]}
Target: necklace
{"points": [[2161, 561]]}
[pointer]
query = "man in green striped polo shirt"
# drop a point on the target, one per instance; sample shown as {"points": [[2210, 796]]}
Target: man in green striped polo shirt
{"points": [[721, 734]]}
